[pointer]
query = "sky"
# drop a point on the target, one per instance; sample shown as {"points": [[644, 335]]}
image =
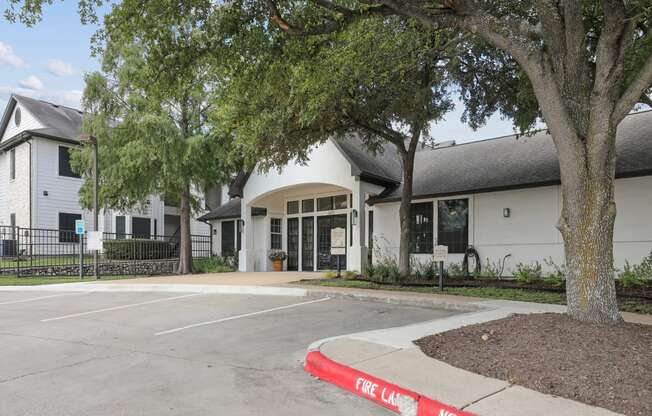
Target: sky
{"points": [[48, 61]]}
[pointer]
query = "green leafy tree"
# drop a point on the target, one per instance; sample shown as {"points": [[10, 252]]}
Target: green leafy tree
{"points": [[383, 82], [588, 63], [149, 109]]}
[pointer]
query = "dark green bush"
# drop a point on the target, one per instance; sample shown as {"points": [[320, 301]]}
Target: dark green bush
{"points": [[213, 265], [528, 273], [637, 274], [137, 249]]}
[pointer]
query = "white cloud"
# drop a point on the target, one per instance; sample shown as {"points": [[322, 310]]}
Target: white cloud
{"points": [[32, 82], [59, 67], [8, 57]]}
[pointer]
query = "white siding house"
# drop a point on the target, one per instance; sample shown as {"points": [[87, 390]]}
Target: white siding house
{"points": [[40, 190], [500, 196]]}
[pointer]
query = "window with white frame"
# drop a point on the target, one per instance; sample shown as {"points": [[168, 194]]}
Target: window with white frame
{"points": [[276, 230]]}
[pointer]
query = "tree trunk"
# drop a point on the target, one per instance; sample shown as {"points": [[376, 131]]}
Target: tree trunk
{"points": [[185, 246], [405, 211], [587, 225]]}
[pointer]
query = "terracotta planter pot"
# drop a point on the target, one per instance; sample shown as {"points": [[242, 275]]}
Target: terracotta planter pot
{"points": [[278, 265]]}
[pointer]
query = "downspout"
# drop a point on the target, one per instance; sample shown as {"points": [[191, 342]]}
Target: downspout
{"points": [[31, 208]]}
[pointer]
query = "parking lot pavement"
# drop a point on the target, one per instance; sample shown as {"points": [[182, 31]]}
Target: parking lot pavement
{"points": [[177, 354]]}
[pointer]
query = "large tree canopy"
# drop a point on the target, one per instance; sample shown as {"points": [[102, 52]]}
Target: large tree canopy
{"points": [[383, 82], [588, 62], [149, 108]]}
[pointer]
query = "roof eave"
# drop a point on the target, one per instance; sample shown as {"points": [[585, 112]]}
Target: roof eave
{"points": [[381, 200]]}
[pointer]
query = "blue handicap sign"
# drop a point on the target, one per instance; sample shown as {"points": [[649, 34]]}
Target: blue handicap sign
{"points": [[80, 227]]}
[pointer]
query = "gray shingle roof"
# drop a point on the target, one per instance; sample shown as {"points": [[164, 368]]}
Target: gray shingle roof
{"points": [[230, 209], [384, 166], [516, 162], [59, 121]]}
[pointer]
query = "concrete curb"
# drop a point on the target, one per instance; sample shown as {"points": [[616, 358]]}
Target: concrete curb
{"points": [[174, 288], [397, 299], [395, 398]]}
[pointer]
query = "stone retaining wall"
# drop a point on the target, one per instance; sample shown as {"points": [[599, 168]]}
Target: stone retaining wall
{"points": [[140, 267]]}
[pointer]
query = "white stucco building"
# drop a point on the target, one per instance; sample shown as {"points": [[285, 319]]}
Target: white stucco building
{"points": [[38, 189], [501, 196]]}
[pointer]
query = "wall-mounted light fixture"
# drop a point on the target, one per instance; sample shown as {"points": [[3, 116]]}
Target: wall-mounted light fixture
{"points": [[507, 212], [45, 193], [354, 217]]}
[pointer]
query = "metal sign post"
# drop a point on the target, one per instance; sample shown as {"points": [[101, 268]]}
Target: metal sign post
{"points": [[80, 229], [338, 246], [440, 254]]}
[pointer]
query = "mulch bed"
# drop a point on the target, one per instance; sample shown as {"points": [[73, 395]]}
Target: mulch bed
{"points": [[640, 292], [601, 365]]}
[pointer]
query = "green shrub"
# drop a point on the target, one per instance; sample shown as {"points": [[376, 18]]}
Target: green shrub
{"points": [[213, 265], [424, 270], [137, 249], [330, 274], [637, 274], [351, 274], [455, 270], [490, 270], [370, 269], [528, 273], [386, 270]]}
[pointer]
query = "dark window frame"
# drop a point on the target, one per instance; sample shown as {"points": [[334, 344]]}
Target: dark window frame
{"points": [[120, 227], [458, 240], [65, 169], [422, 228], [67, 227], [228, 238], [136, 223]]}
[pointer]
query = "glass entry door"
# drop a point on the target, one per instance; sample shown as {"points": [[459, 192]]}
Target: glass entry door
{"points": [[307, 244], [324, 226], [293, 244]]}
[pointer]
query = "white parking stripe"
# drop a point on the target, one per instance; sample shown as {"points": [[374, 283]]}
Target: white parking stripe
{"points": [[41, 297], [246, 315], [115, 308]]}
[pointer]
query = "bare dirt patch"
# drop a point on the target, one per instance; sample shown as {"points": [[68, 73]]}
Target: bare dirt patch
{"points": [[601, 365]]}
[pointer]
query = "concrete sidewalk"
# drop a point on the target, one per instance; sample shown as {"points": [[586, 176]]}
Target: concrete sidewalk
{"points": [[391, 356], [229, 278]]}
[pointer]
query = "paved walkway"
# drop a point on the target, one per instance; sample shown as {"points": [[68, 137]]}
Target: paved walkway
{"points": [[232, 279]]}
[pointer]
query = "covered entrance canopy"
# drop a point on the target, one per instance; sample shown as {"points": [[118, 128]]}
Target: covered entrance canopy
{"points": [[298, 220]]}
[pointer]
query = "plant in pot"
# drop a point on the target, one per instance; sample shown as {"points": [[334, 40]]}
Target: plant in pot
{"points": [[277, 257]]}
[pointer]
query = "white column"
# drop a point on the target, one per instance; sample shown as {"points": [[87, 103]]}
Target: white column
{"points": [[357, 258], [246, 255]]}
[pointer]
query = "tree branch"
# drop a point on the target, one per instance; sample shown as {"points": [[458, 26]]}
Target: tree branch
{"points": [[634, 91]]}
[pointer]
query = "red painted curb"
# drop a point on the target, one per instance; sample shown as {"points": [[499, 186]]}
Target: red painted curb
{"points": [[373, 388]]}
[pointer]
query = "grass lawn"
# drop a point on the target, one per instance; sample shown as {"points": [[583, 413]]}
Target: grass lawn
{"points": [[539, 296], [30, 281]]}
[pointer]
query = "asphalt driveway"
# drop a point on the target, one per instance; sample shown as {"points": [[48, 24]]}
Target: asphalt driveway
{"points": [[104, 353]]}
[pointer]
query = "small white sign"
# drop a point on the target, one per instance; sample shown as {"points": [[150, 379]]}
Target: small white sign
{"points": [[94, 240], [440, 253], [338, 241]]}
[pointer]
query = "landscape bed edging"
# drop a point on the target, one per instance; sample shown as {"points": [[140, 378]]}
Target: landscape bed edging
{"points": [[397, 399]]}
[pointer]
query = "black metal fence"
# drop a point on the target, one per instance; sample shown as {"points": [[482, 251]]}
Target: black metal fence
{"points": [[48, 252]]}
